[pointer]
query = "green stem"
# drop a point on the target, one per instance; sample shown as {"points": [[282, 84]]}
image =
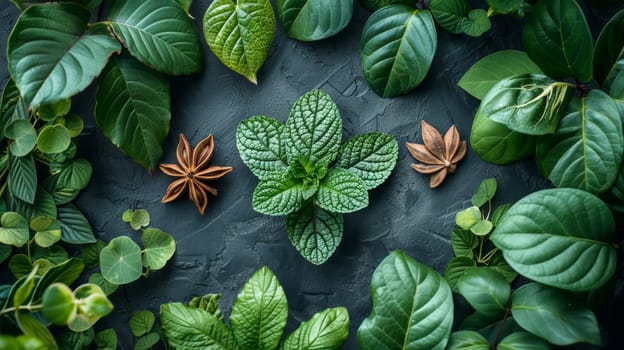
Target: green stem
{"points": [[481, 239], [28, 307]]}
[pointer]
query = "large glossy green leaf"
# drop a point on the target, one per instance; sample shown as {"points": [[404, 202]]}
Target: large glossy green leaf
{"points": [[557, 38], [315, 232], [586, 150], [609, 46], [486, 291], [522, 341], [554, 315], [158, 33], [277, 194], [120, 260], [342, 192], [188, 328], [328, 329], [313, 129], [159, 248], [258, 143], [310, 20], [259, 312], [491, 69], [559, 237], [75, 226], [412, 307], [23, 178], [467, 340], [530, 104], [240, 33], [133, 109], [398, 45], [52, 55], [496, 143]]}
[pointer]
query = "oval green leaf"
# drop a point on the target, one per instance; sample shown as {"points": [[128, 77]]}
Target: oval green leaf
{"points": [[522, 341], [467, 340], [609, 46], [120, 261], [277, 195], [456, 269], [24, 137], [496, 143], [23, 178], [53, 139], [74, 225], [73, 123], [328, 329], [141, 322], [315, 232], [398, 44], [258, 143], [159, 248], [58, 304], [342, 192], [559, 237], [139, 219], [75, 175], [486, 290], [14, 230], [450, 14], [309, 20]]}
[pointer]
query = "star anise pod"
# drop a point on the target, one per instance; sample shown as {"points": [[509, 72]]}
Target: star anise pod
{"points": [[192, 171], [439, 156]]}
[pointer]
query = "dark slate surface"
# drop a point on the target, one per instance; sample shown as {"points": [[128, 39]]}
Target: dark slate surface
{"points": [[219, 251]]}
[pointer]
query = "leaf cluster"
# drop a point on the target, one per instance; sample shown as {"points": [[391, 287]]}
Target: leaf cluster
{"points": [[306, 174]]}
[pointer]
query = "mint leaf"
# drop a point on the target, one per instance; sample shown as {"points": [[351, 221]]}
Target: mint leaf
{"points": [[369, 156], [342, 192], [315, 232], [258, 142], [328, 329], [278, 194]]}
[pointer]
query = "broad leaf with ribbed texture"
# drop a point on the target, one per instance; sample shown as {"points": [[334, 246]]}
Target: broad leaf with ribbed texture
{"points": [[342, 192], [11, 106], [310, 20], [485, 290], [66, 273], [467, 340], [586, 150], [158, 33], [23, 178], [559, 237], [522, 341], [491, 69], [313, 129], [74, 225], [375, 5], [120, 260], [13, 229], [456, 269], [315, 232], [240, 33], [557, 37], [554, 315], [609, 46], [496, 143], [259, 312], [258, 143], [75, 174], [277, 194], [398, 44], [463, 242], [370, 156], [188, 328], [457, 16], [412, 307], [328, 329], [52, 55], [133, 109]]}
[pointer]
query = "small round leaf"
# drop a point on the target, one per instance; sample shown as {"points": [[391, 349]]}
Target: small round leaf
{"points": [[58, 304], [159, 248], [120, 261]]}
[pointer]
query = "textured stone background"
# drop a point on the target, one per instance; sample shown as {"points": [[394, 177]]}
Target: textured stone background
{"points": [[219, 251]]}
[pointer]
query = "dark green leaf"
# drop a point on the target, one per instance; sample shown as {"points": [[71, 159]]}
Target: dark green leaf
{"points": [[485, 192], [141, 322], [277, 194], [328, 329], [314, 20], [53, 139], [505, 7], [76, 340], [67, 273], [147, 341], [61, 195], [11, 106], [23, 178], [120, 261], [342, 192], [456, 269], [76, 228], [463, 242], [23, 135], [159, 248], [499, 212], [486, 291], [450, 14], [14, 230], [316, 233], [412, 307], [467, 340], [106, 339], [258, 143], [5, 253], [73, 123], [476, 23], [20, 265], [188, 328], [497, 144], [609, 46], [522, 341], [32, 327], [557, 37], [75, 175], [559, 237], [398, 44], [375, 5]]}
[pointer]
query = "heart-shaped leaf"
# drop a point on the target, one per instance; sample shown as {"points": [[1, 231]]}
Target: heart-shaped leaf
{"points": [[456, 269], [23, 135], [14, 230], [342, 192], [53, 139], [476, 23], [76, 174], [53, 56], [467, 340], [259, 146], [73, 123], [48, 231], [609, 46], [315, 232], [240, 33], [375, 5], [486, 291], [106, 339], [277, 194], [308, 20], [189, 328], [496, 143], [120, 260], [398, 45], [557, 37], [159, 248], [141, 322], [569, 247], [133, 108], [586, 150], [58, 304], [75, 226], [412, 307], [328, 329], [158, 33]]}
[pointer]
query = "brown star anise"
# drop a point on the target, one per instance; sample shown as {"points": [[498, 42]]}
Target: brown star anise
{"points": [[192, 170], [438, 156]]}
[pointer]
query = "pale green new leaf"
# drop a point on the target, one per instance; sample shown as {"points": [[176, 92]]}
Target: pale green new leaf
{"points": [[277, 194], [259, 146], [14, 230], [58, 304], [188, 328], [522, 341], [53, 139], [310, 20], [342, 192], [467, 340], [240, 33], [120, 260], [328, 329], [159, 248], [315, 232]]}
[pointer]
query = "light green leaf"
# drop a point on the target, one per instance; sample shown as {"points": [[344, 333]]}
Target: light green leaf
{"points": [[51, 54], [482, 227], [468, 217], [139, 219], [259, 146], [485, 192], [24, 292], [497, 144], [12, 106], [313, 129], [463, 242], [370, 156], [485, 290], [120, 261], [66, 273], [328, 329], [142, 322], [342, 192], [586, 150], [314, 20], [554, 315], [476, 23], [557, 37], [277, 194], [106, 339], [522, 341], [23, 178], [530, 104], [73, 123], [14, 230], [456, 269], [48, 231], [188, 328], [315, 232], [133, 107], [398, 44], [159, 34], [450, 14], [159, 248], [107, 287], [412, 307], [30, 326], [58, 304], [74, 225], [609, 46], [20, 265], [240, 33], [259, 312], [75, 175], [23, 135], [467, 340], [375, 5], [49, 112], [569, 247], [505, 7], [147, 341], [92, 305], [53, 139]]}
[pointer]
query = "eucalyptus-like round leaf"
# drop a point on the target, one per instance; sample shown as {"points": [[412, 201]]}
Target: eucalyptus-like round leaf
{"points": [[342, 192], [468, 217], [557, 37], [328, 329], [53, 56], [49, 112], [310, 20], [560, 237], [58, 304], [120, 260], [24, 137], [467, 340], [398, 44], [240, 33], [496, 143], [259, 146], [609, 46], [486, 290], [73, 123], [14, 230], [315, 232], [586, 150], [412, 307], [53, 139], [159, 248], [139, 219]]}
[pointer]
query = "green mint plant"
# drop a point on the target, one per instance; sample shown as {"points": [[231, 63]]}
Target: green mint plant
{"points": [[306, 174], [142, 327], [257, 321]]}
